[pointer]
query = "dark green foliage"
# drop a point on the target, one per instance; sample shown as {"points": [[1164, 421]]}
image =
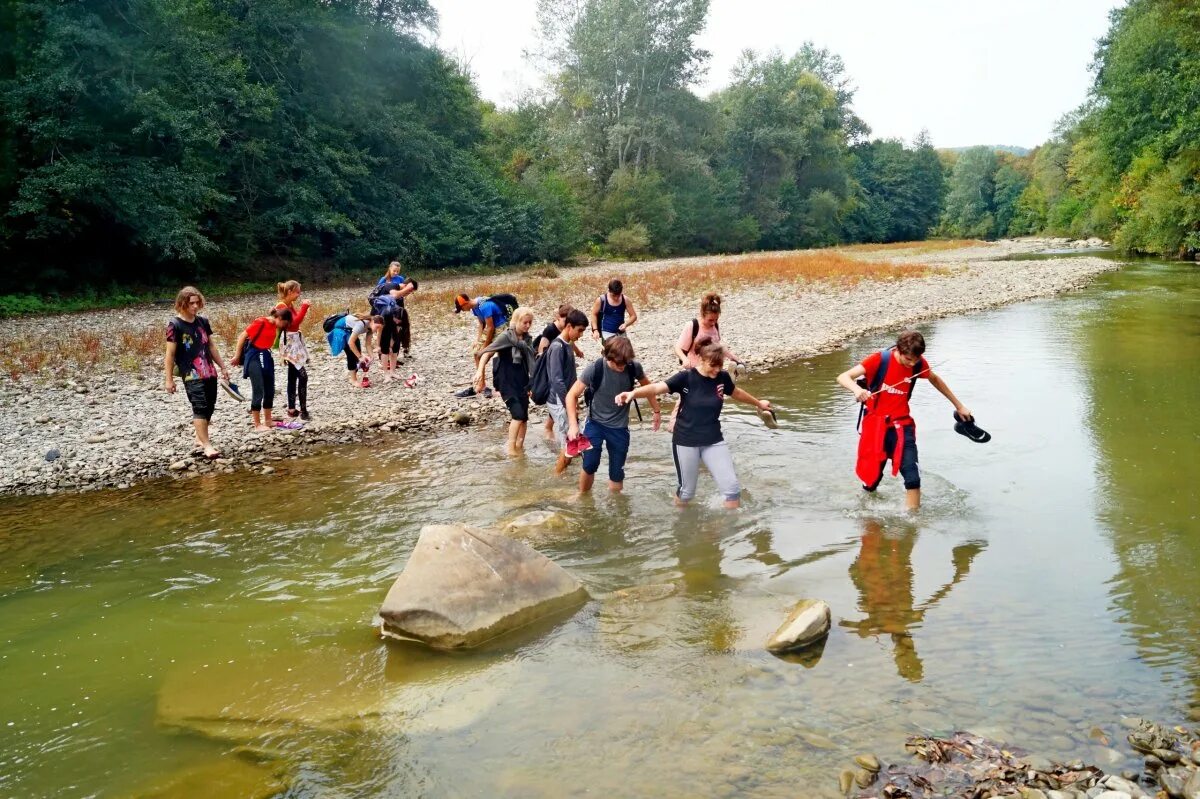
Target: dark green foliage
{"points": [[898, 193]]}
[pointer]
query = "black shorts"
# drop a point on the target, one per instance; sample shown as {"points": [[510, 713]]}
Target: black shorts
{"points": [[203, 396], [908, 461], [518, 407]]}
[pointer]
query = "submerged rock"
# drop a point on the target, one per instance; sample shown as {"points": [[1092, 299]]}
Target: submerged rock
{"points": [[808, 623], [248, 699], [463, 586], [537, 524], [227, 776]]}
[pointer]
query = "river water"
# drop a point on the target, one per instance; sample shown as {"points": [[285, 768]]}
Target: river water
{"points": [[1048, 586]]}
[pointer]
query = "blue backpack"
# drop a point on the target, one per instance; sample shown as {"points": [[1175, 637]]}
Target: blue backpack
{"points": [[337, 336]]}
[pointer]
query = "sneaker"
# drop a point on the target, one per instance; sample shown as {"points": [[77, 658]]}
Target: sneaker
{"points": [[306, 416], [469, 391], [292, 412], [487, 393]]}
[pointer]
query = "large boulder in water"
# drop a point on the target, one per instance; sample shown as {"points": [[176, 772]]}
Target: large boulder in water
{"points": [[808, 623], [463, 586]]}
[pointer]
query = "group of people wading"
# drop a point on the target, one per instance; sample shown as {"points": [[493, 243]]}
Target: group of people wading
{"points": [[542, 370]]}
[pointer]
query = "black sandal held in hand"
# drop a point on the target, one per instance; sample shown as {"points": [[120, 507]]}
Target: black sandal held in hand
{"points": [[968, 428]]}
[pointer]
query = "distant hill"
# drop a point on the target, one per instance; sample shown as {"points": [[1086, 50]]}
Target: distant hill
{"points": [[1005, 148]]}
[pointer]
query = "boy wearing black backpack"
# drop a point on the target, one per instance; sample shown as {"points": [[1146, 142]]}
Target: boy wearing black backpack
{"points": [[608, 423], [888, 429]]}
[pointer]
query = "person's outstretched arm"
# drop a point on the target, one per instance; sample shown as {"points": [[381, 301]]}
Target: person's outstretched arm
{"points": [[941, 386], [646, 390], [654, 404], [742, 395]]}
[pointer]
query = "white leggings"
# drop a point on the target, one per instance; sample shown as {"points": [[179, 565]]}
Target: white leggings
{"points": [[716, 458]]}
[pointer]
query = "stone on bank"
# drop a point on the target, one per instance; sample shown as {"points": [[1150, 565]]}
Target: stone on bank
{"points": [[463, 586], [808, 623]]}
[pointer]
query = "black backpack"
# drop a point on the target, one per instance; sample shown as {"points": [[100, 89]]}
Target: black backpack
{"points": [[331, 321], [507, 302], [539, 381]]}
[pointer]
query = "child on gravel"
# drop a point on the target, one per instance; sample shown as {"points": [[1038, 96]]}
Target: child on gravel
{"points": [[293, 348], [254, 352], [192, 352]]}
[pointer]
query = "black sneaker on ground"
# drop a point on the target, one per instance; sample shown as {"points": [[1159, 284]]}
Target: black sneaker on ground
{"points": [[292, 412], [487, 393], [306, 416], [469, 391]]}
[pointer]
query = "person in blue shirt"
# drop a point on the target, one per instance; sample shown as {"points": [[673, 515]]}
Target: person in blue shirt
{"points": [[491, 318]]}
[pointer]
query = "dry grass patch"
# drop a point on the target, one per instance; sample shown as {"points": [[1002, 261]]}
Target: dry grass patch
{"points": [[914, 247]]}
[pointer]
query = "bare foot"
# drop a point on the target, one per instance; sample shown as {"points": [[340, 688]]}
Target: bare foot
{"points": [[261, 428]]}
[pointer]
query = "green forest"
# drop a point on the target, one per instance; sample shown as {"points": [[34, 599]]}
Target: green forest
{"points": [[159, 140]]}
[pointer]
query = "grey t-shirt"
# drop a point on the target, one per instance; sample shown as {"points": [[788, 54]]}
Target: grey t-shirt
{"points": [[604, 408]]}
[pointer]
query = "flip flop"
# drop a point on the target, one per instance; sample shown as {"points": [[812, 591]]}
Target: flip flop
{"points": [[968, 428], [289, 425], [232, 390], [769, 418]]}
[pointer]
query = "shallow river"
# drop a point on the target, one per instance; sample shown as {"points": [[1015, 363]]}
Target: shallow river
{"points": [[1048, 586]]}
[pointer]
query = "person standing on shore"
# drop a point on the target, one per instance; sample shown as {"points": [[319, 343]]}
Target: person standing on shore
{"points": [[612, 313], [888, 429], [293, 348], [697, 437], [607, 422], [513, 366], [192, 352], [561, 371], [492, 318], [254, 351]]}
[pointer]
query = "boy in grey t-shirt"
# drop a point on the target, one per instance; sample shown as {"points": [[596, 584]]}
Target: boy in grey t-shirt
{"points": [[608, 422]]}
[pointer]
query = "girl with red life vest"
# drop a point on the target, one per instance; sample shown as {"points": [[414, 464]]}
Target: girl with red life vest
{"points": [[254, 351], [295, 352], [888, 429]]}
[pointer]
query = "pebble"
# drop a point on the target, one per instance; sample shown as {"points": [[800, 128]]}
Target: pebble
{"points": [[96, 438], [868, 762], [268, 470], [178, 466], [51, 455]]}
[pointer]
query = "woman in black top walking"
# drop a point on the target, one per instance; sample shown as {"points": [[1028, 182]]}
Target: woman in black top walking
{"points": [[697, 437]]}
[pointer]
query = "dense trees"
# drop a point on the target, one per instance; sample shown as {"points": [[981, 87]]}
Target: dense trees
{"points": [[184, 137], [1125, 166]]}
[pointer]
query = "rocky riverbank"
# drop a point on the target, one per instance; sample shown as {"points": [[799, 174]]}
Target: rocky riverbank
{"points": [[112, 424]]}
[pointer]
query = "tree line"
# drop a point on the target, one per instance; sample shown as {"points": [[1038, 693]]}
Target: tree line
{"points": [[185, 138], [1125, 166]]}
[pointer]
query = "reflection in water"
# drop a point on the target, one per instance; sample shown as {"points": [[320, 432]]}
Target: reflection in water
{"points": [[1144, 420], [883, 575]]}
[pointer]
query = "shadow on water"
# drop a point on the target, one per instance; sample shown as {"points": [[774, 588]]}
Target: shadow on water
{"points": [[1046, 587]]}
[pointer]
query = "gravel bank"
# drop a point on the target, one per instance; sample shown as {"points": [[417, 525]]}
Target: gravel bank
{"points": [[114, 426]]}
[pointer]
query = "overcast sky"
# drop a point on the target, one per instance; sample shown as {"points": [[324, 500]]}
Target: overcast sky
{"points": [[970, 71]]}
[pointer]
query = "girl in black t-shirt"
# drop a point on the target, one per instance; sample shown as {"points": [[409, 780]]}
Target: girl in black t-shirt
{"points": [[697, 436], [192, 352]]}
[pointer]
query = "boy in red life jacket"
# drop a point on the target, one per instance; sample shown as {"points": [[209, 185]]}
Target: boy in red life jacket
{"points": [[888, 430]]}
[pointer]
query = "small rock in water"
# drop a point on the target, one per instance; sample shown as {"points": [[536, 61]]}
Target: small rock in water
{"points": [[268, 470], [863, 778], [869, 762], [52, 455], [846, 781], [808, 623]]}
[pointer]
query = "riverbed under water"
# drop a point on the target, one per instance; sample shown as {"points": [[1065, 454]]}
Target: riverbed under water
{"points": [[1047, 587]]}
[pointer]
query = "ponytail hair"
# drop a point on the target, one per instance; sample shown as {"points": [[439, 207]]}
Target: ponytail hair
{"points": [[282, 313], [287, 287], [710, 303], [711, 352]]}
